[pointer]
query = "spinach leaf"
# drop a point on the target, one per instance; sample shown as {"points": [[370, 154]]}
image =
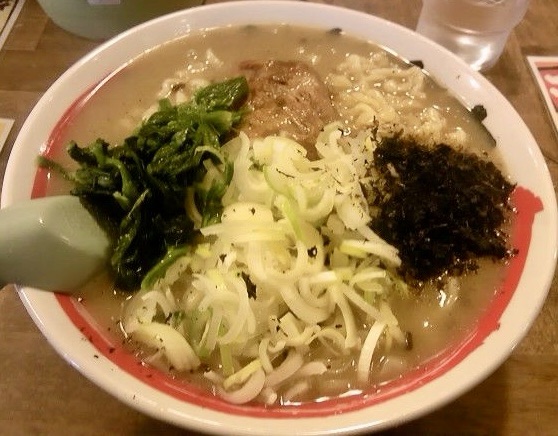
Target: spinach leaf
{"points": [[139, 187]]}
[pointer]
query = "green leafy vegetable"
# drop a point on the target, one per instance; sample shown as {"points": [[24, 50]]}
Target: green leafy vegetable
{"points": [[140, 185]]}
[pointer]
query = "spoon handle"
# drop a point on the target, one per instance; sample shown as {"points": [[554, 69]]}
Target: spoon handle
{"points": [[51, 243]]}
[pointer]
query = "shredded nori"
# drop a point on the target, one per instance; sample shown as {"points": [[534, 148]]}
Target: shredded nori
{"points": [[441, 207]]}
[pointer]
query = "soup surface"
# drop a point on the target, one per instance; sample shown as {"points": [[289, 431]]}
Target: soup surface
{"points": [[370, 89]]}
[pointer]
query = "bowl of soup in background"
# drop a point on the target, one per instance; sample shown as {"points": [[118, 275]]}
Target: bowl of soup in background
{"points": [[82, 339], [101, 19]]}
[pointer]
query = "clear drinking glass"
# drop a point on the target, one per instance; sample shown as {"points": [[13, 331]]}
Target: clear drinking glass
{"points": [[475, 30]]}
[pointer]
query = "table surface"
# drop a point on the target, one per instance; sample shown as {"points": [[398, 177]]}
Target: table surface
{"points": [[41, 394]]}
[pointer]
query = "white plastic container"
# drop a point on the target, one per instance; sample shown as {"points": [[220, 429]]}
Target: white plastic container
{"points": [[102, 19]]}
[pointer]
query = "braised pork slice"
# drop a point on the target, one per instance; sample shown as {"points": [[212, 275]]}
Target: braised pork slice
{"points": [[289, 98]]}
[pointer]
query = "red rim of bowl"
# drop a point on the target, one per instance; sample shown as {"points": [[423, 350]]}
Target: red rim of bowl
{"points": [[526, 206]]}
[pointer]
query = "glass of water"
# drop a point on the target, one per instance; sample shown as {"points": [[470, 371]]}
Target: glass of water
{"points": [[475, 30]]}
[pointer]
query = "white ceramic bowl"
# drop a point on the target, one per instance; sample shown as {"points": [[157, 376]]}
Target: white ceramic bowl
{"points": [[507, 320]]}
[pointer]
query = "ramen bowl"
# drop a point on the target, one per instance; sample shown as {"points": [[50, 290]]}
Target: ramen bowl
{"points": [[78, 338]]}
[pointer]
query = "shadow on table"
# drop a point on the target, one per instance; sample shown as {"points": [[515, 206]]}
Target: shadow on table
{"points": [[481, 411]]}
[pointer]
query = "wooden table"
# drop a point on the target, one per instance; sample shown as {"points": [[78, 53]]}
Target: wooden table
{"points": [[41, 394]]}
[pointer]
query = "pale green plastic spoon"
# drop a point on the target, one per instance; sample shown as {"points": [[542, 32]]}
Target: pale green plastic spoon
{"points": [[50, 243]]}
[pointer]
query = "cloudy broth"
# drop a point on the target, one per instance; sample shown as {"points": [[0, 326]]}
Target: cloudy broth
{"points": [[435, 318]]}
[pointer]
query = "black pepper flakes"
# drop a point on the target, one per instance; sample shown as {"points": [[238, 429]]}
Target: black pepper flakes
{"points": [[250, 286], [335, 31], [479, 112], [408, 341], [418, 63]]}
